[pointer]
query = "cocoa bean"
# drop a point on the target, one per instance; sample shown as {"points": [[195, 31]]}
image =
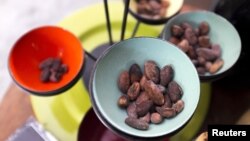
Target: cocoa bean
{"points": [[131, 110], [216, 66], [135, 73], [201, 70], [143, 107], [167, 102], [174, 40], [204, 28], [154, 92], [185, 25], [166, 112], [45, 75], [166, 75], [133, 91], [162, 89], [191, 53], [184, 45], [137, 123], [152, 71], [217, 50], [142, 97], [178, 106], [201, 61], [124, 82], [154, 4], [190, 36], [56, 64], [54, 77], [208, 65], [156, 118], [63, 68], [47, 63], [163, 12], [143, 81], [123, 101], [174, 91], [204, 41], [177, 31], [165, 3], [206, 53], [197, 31], [146, 117], [195, 62]]}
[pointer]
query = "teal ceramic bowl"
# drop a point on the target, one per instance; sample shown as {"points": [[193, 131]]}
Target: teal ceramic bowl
{"points": [[119, 57], [222, 32]]}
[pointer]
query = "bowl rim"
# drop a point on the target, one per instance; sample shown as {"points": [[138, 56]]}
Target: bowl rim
{"points": [[110, 125], [224, 20], [50, 92], [154, 21]]}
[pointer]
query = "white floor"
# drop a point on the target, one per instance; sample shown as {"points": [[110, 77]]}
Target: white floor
{"points": [[19, 16]]}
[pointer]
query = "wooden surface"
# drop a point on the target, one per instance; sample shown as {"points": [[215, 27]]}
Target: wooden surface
{"points": [[14, 111]]}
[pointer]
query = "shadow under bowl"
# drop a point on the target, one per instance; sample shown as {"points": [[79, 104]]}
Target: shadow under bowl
{"points": [[101, 133]]}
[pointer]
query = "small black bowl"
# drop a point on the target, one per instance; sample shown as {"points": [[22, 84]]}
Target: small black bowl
{"points": [[172, 10]]}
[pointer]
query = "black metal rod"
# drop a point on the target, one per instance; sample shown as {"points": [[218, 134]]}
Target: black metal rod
{"points": [[90, 56], [135, 28], [124, 21], [108, 21]]}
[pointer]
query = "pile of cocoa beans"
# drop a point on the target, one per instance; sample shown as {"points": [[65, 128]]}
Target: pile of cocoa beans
{"points": [[149, 97], [195, 42], [152, 9], [52, 70]]}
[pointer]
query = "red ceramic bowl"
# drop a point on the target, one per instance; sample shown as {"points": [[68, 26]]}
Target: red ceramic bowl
{"points": [[37, 45]]}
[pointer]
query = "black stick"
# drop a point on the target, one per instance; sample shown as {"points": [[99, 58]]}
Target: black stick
{"points": [[124, 21], [90, 56], [135, 29], [108, 21]]}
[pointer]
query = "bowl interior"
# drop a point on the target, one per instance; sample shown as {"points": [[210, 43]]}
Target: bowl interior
{"points": [[221, 32], [174, 7], [37, 45], [121, 56]]}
